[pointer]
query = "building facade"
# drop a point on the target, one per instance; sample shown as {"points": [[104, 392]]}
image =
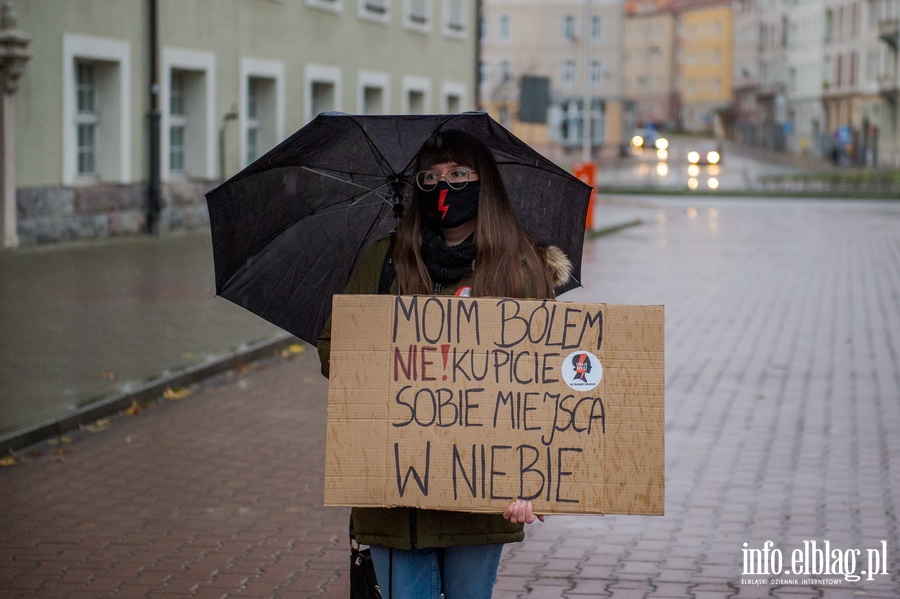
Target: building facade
{"points": [[745, 65], [819, 77], [575, 46], [703, 64], [216, 83], [805, 127], [649, 55]]}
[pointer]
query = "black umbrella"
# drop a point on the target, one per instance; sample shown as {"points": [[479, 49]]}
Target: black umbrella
{"points": [[288, 229]]}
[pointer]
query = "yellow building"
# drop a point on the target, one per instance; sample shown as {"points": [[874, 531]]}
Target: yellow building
{"points": [[704, 41]]}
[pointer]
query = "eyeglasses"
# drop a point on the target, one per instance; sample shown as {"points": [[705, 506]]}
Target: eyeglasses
{"points": [[456, 178]]}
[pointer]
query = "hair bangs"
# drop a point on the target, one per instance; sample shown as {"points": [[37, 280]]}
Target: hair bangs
{"points": [[450, 146]]}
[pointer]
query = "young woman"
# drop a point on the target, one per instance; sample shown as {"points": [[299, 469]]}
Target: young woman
{"points": [[458, 235]]}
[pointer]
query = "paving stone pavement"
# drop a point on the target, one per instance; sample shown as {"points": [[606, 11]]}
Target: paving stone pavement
{"points": [[782, 406]]}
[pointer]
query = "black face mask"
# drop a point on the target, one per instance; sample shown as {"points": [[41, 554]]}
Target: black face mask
{"points": [[445, 208]]}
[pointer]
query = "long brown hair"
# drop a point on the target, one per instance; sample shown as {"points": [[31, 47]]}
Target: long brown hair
{"points": [[506, 258]]}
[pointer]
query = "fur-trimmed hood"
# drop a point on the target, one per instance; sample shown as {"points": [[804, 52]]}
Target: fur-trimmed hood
{"points": [[558, 264]]}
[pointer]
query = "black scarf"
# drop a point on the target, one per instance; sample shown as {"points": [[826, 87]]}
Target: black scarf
{"points": [[447, 264]]}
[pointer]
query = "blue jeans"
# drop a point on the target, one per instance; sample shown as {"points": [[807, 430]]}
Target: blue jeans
{"points": [[469, 572]]}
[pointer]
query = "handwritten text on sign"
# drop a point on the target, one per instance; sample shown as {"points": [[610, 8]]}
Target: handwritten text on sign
{"points": [[467, 403]]}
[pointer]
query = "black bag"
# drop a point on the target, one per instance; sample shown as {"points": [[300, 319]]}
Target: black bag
{"points": [[363, 584]]}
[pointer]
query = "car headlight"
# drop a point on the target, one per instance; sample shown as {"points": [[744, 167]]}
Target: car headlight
{"points": [[713, 157], [637, 141], [662, 143], [693, 157]]}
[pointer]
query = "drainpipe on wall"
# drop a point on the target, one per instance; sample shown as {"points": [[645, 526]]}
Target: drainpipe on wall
{"points": [[479, 15], [588, 100], [13, 56], [153, 116]]}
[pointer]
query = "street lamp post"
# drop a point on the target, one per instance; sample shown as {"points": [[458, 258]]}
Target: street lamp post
{"points": [[14, 54], [588, 96]]}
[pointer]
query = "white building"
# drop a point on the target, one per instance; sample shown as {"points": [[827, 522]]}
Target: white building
{"points": [[805, 124], [223, 80]]}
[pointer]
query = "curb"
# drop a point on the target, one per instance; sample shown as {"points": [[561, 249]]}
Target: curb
{"points": [[114, 404]]}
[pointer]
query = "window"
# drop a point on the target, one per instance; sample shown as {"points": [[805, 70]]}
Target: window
{"points": [[455, 17], [416, 95], [253, 150], [373, 92], [597, 73], [484, 73], [505, 28], [323, 97], [596, 28], [570, 126], [96, 110], [417, 14], [375, 10], [188, 129], [504, 116], [86, 118], [453, 104], [568, 75], [178, 122], [323, 89], [373, 100], [415, 101], [568, 27], [329, 5], [506, 71], [453, 97], [261, 107]]}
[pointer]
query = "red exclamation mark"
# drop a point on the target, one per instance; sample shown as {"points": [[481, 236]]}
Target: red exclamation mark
{"points": [[445, 350]]}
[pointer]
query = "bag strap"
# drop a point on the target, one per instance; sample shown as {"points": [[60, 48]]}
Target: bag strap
{"points": [[352, 533], [388, 269]]}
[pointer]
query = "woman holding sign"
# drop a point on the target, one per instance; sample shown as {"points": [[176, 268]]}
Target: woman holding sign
{"points": [[458, 235]]}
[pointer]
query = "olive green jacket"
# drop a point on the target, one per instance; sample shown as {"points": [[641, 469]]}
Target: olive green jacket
{"points": [[408, 528]]}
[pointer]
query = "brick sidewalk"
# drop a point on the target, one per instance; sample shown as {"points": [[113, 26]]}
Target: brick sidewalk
{"points": [[783, 380]]}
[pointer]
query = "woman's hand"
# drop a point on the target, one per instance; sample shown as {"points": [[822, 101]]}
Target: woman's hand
{"points": [[521, 512]]}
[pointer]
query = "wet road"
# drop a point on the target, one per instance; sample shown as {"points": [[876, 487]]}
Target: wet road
{"points": [[80, 322]]}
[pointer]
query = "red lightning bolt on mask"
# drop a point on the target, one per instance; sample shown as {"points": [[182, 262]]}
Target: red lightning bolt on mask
{"points": [[442, 207], [445, 207]]}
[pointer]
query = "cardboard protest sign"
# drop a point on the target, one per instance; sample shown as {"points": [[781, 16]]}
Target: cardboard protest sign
{"points": [[467, 403]]}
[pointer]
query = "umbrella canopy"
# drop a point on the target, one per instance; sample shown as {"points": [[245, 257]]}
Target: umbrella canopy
{"points": [[288, 229]]}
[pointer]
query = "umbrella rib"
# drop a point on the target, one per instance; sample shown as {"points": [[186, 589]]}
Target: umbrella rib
{"points": [[336, 178], [384, 197]]}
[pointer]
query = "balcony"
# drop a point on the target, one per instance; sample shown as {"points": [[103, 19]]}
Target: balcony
{"points": [[889, 32], [889, 86]]}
